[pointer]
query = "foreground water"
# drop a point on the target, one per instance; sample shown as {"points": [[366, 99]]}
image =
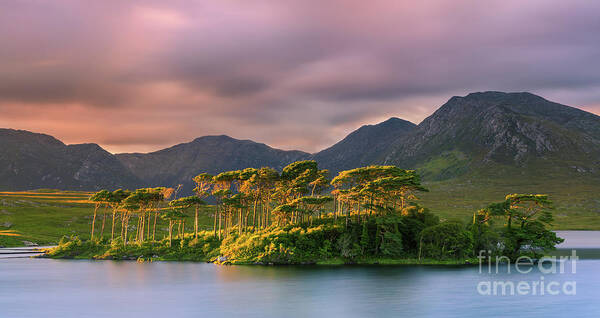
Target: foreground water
{"points": [[80, 288], [67, 288]]}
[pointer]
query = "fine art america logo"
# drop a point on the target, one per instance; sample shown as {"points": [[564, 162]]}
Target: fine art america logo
{"points": [[526, 276]]}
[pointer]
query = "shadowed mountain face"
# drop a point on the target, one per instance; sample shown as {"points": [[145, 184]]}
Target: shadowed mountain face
{"points": [[364, 146], [30, 161], [211, 154], [493, 129], [480, 135]]}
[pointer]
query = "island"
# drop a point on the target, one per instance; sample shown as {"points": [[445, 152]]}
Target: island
{"points": [[367, 215]]}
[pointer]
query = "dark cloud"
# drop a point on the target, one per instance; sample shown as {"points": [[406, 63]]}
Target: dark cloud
{"points": [[140, 75]]}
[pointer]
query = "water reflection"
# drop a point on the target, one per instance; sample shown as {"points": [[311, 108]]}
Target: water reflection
{"points": [[79, 288], [73, 288]]}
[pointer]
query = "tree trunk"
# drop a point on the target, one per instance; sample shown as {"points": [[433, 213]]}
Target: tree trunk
{"points": [[268, 217], [334, 207], [94, 221], [126, 223], [103, 221], [196, 223], [260, 215], [347, 215], [143, 229], [215, 225], [220, 221], [148, 228], [122, 224], [170, 232], [154, 225], [254, 213], [225, 223], [139, 228], [240, 222], [112, 231]]}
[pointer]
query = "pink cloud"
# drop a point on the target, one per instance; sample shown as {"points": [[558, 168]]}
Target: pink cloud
{"points": [[139, 76]]}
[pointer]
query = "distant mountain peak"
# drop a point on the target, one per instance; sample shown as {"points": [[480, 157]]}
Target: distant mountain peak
{"points": [[496, 97], [362, 146], [512, 129], [215, 137], [211, 154], [500, 95], [496, 94], [394, 121], [390, 123], [18, 135], [32, 160]]}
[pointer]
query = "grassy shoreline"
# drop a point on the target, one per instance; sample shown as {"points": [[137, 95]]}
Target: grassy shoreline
{"points": [[323, 262]]}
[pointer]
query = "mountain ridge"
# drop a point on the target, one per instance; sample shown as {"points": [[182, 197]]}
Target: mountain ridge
{"points": [[33, 160], [212, 154], [350, 151], [521, 130], [479, 132]]}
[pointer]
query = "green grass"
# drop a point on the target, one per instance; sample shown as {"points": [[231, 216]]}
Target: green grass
{"points": [[576, 203], [45, 216], [446, 165]]}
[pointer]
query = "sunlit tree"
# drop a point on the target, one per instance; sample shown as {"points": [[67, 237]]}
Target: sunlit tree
{"points": [[174, 216], [99, 198], [186, 203], [533, 214], [115, 200]]}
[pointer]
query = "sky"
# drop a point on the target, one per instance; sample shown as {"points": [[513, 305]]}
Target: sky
{"points": [[138, 76]]}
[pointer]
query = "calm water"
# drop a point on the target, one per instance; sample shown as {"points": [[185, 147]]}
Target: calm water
{"points": [[62, 288], [74, 288]]}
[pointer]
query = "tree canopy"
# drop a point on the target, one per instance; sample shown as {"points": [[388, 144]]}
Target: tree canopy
{"points": [[377, 208]]}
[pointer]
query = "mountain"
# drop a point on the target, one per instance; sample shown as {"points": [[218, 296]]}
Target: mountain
{"points": [[363, 146], [215, 154], [211, 154], [30, 160], [479, 137], [493, 130]]}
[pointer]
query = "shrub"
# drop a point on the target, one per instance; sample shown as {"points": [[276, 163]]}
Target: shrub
{"points": [[446, 240]]}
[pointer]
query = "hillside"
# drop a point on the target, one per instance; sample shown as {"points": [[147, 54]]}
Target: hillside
{"points": [[363, 146], [494, 131], [212, 154], [29, 160], [484, 135]]}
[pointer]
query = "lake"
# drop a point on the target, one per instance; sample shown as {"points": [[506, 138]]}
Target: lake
{"points": [[80, 288]]}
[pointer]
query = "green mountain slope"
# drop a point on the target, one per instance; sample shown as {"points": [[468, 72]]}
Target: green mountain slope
{"points": [[509, 132]]}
